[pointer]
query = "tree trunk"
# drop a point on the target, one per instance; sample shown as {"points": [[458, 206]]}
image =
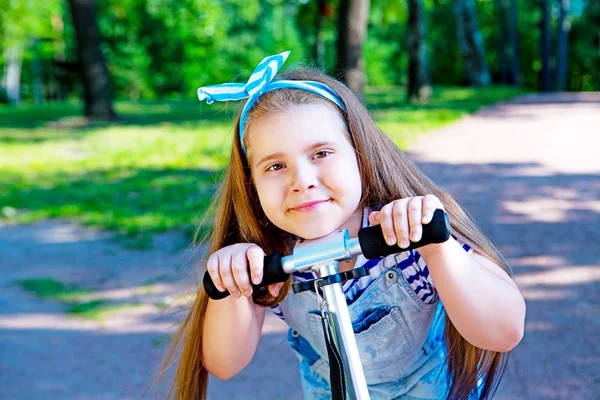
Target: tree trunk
{"points": [[94, 73], [37, 85], [319, 45], [352, 31], [418, 86], [598, 61], [562, 53], [470, 42], [57, 90], [503, 33], [545, 36], [514, 43], [14, 61], [592, 12]]}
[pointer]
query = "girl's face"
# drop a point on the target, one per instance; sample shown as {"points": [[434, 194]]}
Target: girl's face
{"points": [[305, 171]]}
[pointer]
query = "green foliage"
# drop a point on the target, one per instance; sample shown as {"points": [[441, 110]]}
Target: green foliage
{"points": [[21, 20], [32, 29], [585, 47], [168, 48], [160, 48], [385, 47], [445, 64]]}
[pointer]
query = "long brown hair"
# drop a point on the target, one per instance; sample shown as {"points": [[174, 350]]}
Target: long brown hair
{"points": [[387, 174]]}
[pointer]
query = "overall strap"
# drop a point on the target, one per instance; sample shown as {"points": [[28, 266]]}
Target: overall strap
{"points": [[336, 366]]}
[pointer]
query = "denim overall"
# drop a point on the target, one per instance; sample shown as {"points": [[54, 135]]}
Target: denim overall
{"points": [[399, 339]]}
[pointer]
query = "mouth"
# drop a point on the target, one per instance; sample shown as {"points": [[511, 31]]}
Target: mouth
{"points": [[309, 206]]}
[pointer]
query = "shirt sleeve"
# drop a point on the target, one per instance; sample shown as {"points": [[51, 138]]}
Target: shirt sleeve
{"points": [[422, 283]]}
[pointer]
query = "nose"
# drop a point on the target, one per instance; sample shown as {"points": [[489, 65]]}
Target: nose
{"points": [[303, 177]]}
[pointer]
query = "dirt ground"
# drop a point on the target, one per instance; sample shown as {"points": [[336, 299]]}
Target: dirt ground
{"points": [[529, 173]]}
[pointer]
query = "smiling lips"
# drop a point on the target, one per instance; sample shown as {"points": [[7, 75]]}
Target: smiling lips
{"points": [[309, 206]]}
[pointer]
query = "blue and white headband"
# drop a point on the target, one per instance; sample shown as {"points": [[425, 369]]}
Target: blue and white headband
{"points": [[261, 81]]}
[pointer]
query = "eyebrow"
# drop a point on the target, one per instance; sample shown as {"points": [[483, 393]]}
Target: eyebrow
{"points": [[281, 154]]}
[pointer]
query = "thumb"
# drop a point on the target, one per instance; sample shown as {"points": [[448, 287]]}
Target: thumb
{"points": [[374, 218]]}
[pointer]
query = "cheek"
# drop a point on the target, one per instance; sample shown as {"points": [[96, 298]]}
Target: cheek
{"points": [[267, 195], [351, 180]]}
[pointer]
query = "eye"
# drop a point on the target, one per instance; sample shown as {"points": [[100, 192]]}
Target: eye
{"points": [[274, 167], [321, 154]]}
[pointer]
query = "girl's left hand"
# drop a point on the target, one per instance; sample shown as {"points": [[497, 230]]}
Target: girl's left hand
{"points": [[402, 220]]}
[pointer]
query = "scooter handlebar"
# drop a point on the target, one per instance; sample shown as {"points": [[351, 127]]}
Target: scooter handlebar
{"points": [[372, 244]]}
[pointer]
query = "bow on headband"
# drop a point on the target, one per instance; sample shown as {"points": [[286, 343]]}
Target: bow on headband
{"points": [[262, 75], [261, 81]]}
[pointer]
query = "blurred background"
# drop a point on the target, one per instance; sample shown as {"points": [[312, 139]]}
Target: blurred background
{"points": [[109, 164]]}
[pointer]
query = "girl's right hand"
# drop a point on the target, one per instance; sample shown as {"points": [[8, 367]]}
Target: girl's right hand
{"points": [[228, 269]]}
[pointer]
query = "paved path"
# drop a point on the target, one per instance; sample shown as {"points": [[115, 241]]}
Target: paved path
{"points": [[528, 171]]}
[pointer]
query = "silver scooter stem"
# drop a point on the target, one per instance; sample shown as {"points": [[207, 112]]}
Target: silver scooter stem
{"points": [[339, 317]]}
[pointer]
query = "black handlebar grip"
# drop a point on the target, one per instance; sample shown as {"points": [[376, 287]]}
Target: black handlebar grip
{"points": [[373, 244], [272, 273]]}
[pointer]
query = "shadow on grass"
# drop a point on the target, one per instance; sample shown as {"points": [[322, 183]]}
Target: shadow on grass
{"points": [[60, 121], [74, 297], [133, 202]]}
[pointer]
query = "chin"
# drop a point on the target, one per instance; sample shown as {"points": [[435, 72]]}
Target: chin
{"points": [[310, 234]]}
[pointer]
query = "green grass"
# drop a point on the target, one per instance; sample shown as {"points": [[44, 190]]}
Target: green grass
{"points": [[163, 305], [49, 288], [98, 309], [73, 296], [160, 341], [405, 122], [157, 168]]}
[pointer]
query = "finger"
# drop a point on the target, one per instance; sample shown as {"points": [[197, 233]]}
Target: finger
{"points": [[387, 223], [374, 218], [256, 259], [212, 266], [275, 288], [226, 274], [430, 204], [400, 217], [239, 267], [415, 215]]}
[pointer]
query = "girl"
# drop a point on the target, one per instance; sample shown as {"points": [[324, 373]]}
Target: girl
{"points": [[307, 159]]}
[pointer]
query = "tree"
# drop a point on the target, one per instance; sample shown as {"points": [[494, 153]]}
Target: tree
{"points": [[470, 42], [323, 11], [508, 44], [545, 46], [24, 25], [13, 74], [596, 21], [502, 47], [352, 30], [513, 34], [94, 73], [418, 86], [562, 51]]}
